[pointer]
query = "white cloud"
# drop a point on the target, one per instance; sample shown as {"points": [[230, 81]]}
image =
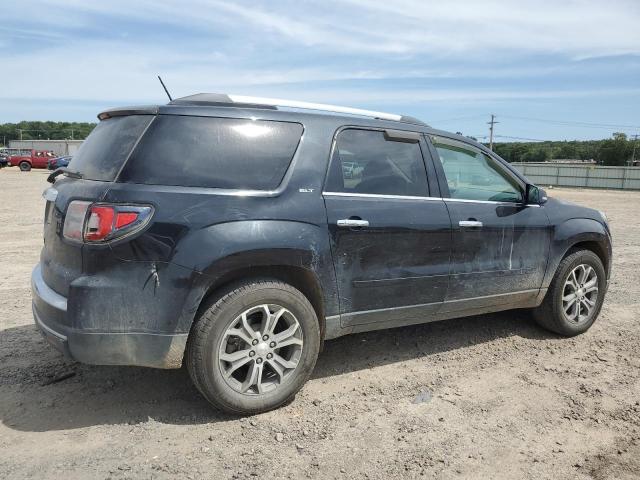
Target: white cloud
{"points": [[111, 51], [579, 28], [114, 72], [490, 27]]}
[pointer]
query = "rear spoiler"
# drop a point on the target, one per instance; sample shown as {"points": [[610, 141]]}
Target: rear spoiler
{"points": [[125, 111]]}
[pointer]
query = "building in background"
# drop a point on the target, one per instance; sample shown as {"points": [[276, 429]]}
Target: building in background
{"points": [[59, 147]]}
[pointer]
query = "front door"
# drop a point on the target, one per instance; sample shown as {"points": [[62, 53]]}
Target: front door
{"points": [[500, 244], [39, 160], [391, 241]]}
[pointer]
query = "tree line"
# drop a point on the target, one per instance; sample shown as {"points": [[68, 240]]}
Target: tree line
{"points": [[44, 131], [617, 150]]}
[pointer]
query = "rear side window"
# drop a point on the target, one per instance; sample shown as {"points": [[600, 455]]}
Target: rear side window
{"points": [[364, 161], [106, 149], [213, 152]]}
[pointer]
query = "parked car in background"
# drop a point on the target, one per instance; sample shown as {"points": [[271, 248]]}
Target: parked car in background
{"points": [[58, 162], [4, 157], [240, 253], [27, 159], [5, 153]]}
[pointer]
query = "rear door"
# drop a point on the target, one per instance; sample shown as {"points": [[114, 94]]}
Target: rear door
{"points": [[39, 159], [500, 244], [391, 240]]}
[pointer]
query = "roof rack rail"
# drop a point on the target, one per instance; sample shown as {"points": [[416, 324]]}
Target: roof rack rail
{"points": [[220, 99]]}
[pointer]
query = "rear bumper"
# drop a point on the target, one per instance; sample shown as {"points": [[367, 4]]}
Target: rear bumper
{"points": [[95, 347]]}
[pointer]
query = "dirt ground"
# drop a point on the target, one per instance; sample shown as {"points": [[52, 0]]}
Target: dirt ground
{"points": [[502, 398]]}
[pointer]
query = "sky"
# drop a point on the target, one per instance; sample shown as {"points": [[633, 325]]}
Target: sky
{"points": [[546, 69]]}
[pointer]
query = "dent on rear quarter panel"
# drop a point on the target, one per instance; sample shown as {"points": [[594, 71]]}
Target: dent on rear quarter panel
{"points": [[130, 296]]}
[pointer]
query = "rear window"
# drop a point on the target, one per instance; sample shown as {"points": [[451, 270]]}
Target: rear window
{"points": [[105, 150], [214, 152]]}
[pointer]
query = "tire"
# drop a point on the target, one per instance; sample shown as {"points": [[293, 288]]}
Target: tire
{"points": [[25, 166], [551, 313], [210, 341]]}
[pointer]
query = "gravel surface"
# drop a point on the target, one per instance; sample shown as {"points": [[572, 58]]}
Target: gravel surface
{"points": [[491, 396]]}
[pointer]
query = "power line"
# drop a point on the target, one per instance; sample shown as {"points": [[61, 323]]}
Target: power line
{"points": [[528, 139], [448, 120], [491, 124], [21, 131], [569, 122], [605, 126]]}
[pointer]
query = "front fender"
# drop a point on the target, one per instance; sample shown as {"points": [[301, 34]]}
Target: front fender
{"points": [[572, 232]]}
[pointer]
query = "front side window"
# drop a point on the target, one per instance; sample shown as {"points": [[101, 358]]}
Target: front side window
{"points": [[364, 161], [473, 175]]}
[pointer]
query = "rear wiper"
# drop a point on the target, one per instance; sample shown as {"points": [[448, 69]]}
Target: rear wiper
{"points": [[69, 173]]}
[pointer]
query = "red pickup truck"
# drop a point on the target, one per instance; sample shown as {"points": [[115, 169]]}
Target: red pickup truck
{"points": [[27, 159]]}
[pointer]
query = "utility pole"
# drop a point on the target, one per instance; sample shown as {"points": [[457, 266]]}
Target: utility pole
{"points": [[72, 134], [20, 131], [491, 124], [635, 142]]}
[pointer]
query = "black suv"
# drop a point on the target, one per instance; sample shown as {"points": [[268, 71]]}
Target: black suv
{"points": [[236, 234]]}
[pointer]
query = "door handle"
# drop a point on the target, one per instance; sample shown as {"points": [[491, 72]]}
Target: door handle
{"points": [[470, 223], [352, 222]]}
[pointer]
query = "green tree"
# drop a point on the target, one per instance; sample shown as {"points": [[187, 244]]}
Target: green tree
{"points": [[539, 154], [33, 130], [619, 137], [615, 151], [567, 150]]}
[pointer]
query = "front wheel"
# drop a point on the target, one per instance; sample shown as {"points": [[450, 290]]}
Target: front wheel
{"points": [[25, 166], [575, 295], [254, 348]]}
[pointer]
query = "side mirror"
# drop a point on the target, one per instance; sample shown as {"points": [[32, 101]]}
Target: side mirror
{"points": [[535, 195]]}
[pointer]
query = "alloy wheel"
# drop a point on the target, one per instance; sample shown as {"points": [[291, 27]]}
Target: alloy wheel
{"points": [[260, 349], [580, 294]]}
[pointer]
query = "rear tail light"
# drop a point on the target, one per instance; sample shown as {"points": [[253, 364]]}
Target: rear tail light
{"points": [[98, 222], [74, 220]]}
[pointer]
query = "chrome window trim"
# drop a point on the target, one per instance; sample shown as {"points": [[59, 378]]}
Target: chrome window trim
{"points": [[205, 190], [491, 202], [376, 195], [409, 197]]}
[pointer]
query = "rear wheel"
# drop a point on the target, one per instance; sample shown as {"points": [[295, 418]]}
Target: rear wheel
{"points": [[25, 166], [254, 348], [575, 296]]}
